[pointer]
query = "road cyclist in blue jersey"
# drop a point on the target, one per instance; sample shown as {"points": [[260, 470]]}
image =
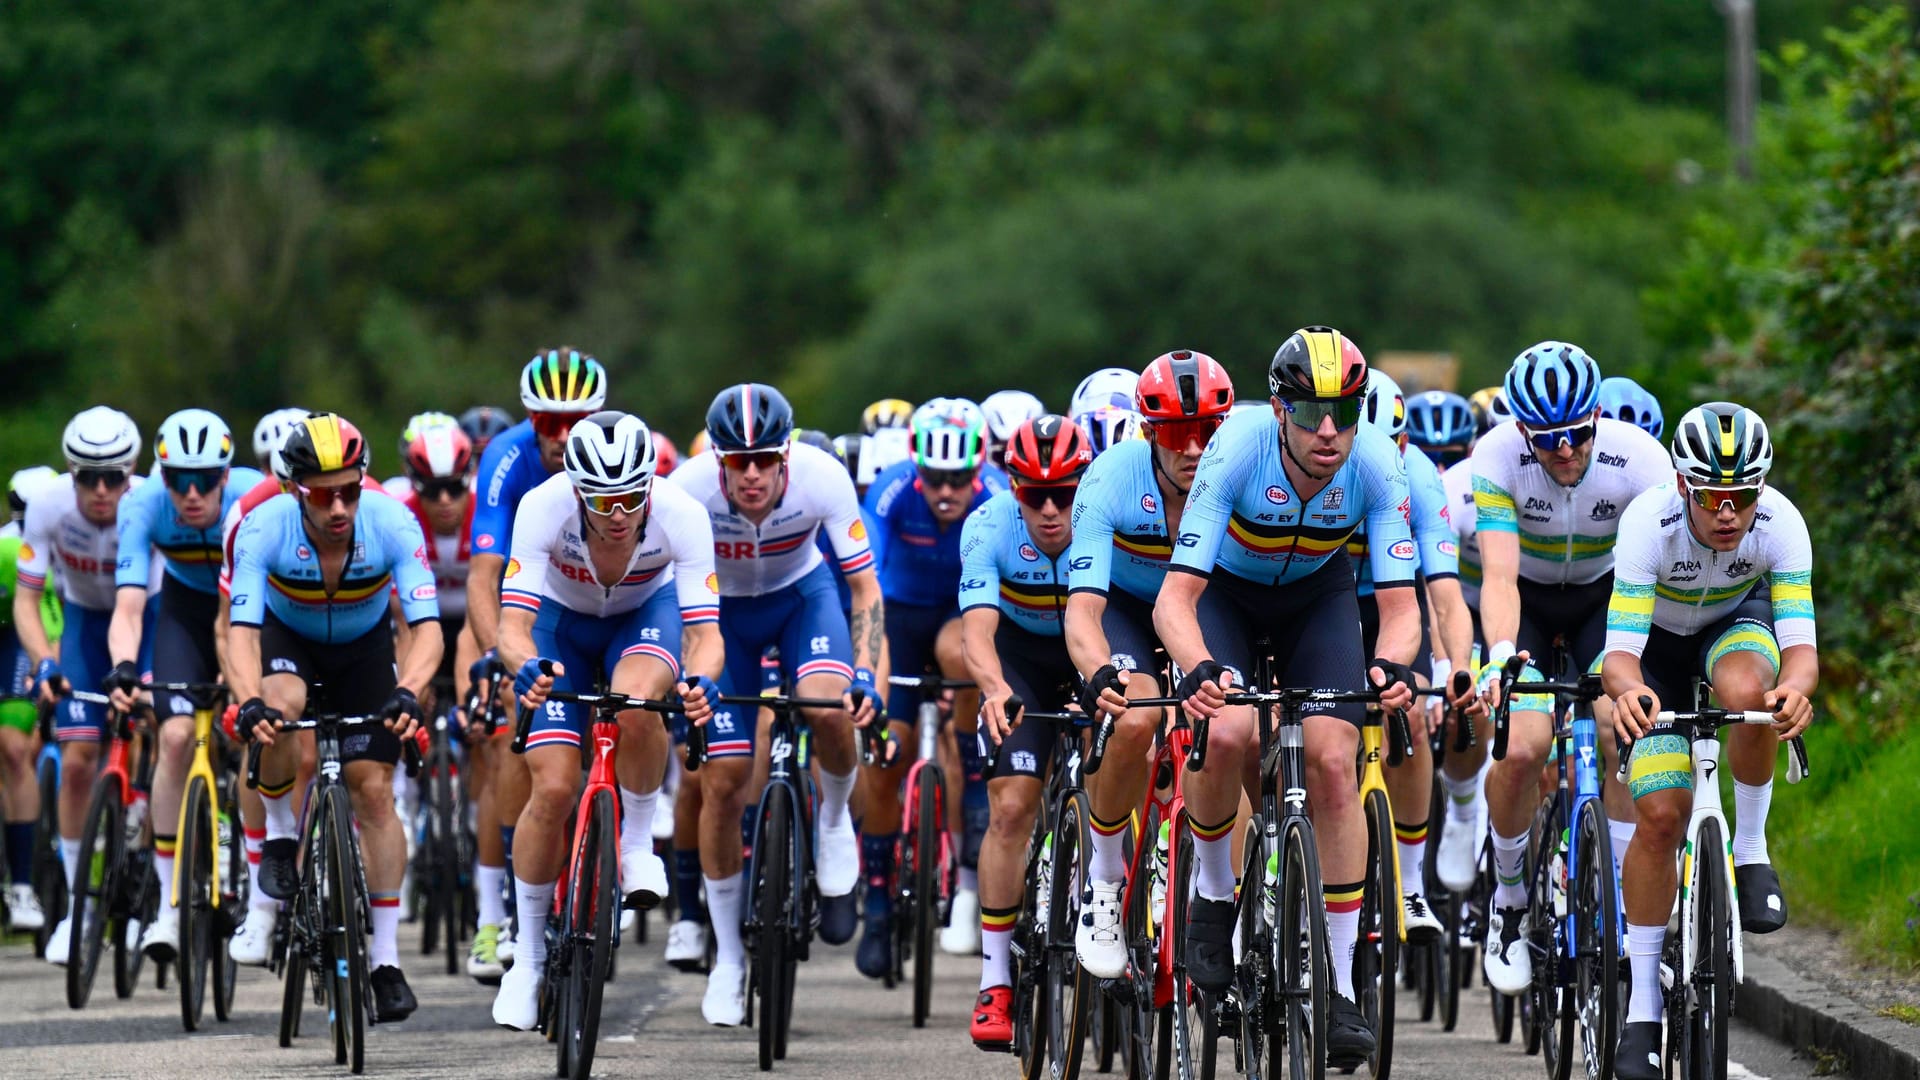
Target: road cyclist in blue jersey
{"points": [[1262, 551]]}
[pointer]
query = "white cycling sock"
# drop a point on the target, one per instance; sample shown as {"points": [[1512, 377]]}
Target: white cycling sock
{"points": [[636, 819], [1510, 870], [70, 858], [723, 911], [487, 881], [996, 958], [1644, 944], [1109, 862], [1461, 795], [533, 902], [1343, 930], [163, 872], [970, 880], [1213, 866], [1750, 805], [280, 821], [383, 948], [1413, 860], [1620, 834], [834, 793]]}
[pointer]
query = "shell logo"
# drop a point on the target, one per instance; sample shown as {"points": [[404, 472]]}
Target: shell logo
{"points": [[26, 552], [857, 530], [513, 567], [713, 584]]}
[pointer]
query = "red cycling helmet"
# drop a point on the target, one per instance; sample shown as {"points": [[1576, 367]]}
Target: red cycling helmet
{"points": [[440, 452], [1183, 385], [1048, 450], [665, 454]]}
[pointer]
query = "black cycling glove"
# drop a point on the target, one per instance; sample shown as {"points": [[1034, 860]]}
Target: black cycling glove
{"points": [[1203, 672], [124, 676]]}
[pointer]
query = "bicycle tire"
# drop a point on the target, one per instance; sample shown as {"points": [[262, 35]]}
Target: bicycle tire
{"points": [[446, 855], [293, 988], [928, 808], [91, 913], [1142, 930], [1712, 975], [193, 870], [1596, 922], [771, 904], [142, 899], [1551, 1005], [592, 898], [1030, 1009], [1069, 987], [1251, 976], [348, 971], [48, 874], [1457, 956], [800, 892], [1188, 1011], [234, 895], [1300, 942], [1377, 961]]}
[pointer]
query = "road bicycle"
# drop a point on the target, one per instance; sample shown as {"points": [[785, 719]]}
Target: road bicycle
{"points": [[1441, 969], [443, 849], [115, 891], [924, 860], [209, 870], [49, 874]]}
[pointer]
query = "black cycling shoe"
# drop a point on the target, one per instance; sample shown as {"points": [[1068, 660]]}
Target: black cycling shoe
{"points": [[839, 918], [392, 997], [1763, 908], [875, 956], [1638, 1056], [1349, 1040], [1210, 944], [279, 868]]}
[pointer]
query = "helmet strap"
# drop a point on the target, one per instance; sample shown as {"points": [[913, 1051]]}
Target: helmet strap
{"points": [[1153, 450]]}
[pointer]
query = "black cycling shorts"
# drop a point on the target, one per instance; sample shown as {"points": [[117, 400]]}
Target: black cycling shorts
{"points": [[1038, 670], [1576, 612], [1312, 625], [357, 677], [911, 632], [1672, 661], [1131, 638], [183, 648]]}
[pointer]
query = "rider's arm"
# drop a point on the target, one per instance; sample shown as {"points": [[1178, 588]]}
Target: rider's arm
{"points": [[1089, 574], [702, 651], [35, 561], [483, 599], [1086, 639], [516, 637], [1498, 528], [243, 662], [130, 575], [867, 623], [1791, 584], [246, 607], [123, 633], [418, 600], [1636, 572], [492, 536], [977, 627], [846, 532], [420, 659], [979, 600], [1452, 622]]}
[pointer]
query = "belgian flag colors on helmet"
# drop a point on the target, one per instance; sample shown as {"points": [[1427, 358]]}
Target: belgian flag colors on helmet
{"points": [[563, 380], [1317, 362], [323, 443]]}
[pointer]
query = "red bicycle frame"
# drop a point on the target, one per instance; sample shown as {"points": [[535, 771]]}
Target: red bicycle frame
{"points": [[604, 737], [909, 824], [1171, 756]]}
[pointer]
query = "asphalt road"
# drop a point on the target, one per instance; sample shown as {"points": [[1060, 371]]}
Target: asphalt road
{"points": [[845, 1027]]}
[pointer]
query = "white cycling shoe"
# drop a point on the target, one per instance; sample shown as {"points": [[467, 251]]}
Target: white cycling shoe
{"points": [[1458, 864], [644, 877], [837, 860], [1509, 967], [161, 939], [23, 909], [961, 936], [725, 1004], [687, 945], [57, 945], [517, 1004], [1097, 940], [253, 945], [1423, 926]]}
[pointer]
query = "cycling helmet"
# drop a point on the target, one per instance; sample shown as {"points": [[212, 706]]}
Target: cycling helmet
{"points": [[1108, 386], [322, 443], [666, 456], [611, 453], [1722, 444], [101, 438], [816, 439], [699, 444], [886, 413], [1553, 384], [1438, 418], [1182, 385], [851, 450], [193, 439], [482, 423], [27, 484], [1109, 426], [1489, 405], [272, 430], [1006, 410], [1317, 362], [420, 422], [563, 380], [750, 416], [1623, 399], [883, 450], [949, 433], [438, 452], [1386, 406], [1049, 450]]}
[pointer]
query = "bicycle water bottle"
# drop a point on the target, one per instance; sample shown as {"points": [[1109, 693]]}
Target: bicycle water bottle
{"points": [[1158, 880], [225, 840], [136, 818], [1270, 889], [1043, 902], [1560, 876]]}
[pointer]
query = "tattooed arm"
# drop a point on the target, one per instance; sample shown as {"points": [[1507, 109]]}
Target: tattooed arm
{"points": [[867, 623]]}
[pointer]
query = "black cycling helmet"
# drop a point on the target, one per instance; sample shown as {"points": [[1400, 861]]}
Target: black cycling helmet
{"points": [[750, 416], [482, 423]]}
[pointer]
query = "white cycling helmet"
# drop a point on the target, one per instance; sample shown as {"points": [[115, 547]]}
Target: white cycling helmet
{"points": [[949, 433], [1006, 410], [101, 438], [1721, 444], [611, 453], [1386, 406], [193, 439], [1108, 386], [1107, 426], [272, 430], [881, 451]]}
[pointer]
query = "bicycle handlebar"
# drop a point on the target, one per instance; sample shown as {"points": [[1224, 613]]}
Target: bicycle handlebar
{"points": [[409, 749], [1463, 732], [929, 682], [1709, 721]]}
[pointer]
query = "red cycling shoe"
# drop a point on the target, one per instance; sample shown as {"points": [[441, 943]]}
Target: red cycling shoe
{"points": [[992, 1027]]}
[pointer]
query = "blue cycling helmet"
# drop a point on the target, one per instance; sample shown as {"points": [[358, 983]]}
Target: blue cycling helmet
{"points": [[749, 417], [1553, 384], [1438, 418], [1623, 399]]}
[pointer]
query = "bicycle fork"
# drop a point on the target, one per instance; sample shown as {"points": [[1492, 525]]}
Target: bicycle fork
{"points": [[1706, 807]]}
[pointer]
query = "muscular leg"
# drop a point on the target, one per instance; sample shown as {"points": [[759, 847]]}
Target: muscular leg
{"points": [[1003, 852], [383, 854]]}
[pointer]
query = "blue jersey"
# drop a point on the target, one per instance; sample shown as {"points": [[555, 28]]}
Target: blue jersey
{"points": [[508, 470], [276, 569], [1001, 567], [1119, 527], [1244, 515], [1432, 526], [918, 558], [148, 523]]}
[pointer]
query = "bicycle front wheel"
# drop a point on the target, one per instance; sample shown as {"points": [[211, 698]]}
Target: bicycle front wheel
{"points": [[48, 873], [1712, 974], [193, 869], [1377, 960], [234, 894], [773, 906], [102, 847], [1550, 1002], [445, 880], [1596, 927], [1305, 976], [593, 896], [929, 808], [346, 969]]}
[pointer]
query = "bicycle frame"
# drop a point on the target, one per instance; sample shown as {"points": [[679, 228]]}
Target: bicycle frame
{"points": [[603, 735], [927, 727], [1175, 745], [206, 698], [1373, 777]]}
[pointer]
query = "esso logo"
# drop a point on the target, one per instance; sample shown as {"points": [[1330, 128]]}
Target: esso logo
{"points": [[1150, 504], [1448, 547], [1402, 550], [1028, 553], [302, 552], [1277, 495]]}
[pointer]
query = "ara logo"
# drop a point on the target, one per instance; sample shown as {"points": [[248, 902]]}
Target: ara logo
{"points": [[1028, 553], [1605, 511], [1334, 499], [1150, 504], [1740, 568], [1534, 502], [1618, 461], [1278, 496], [1685, 566]]}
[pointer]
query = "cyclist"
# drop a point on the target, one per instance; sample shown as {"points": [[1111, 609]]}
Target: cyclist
{"points": [[558, 388], [20, 792], [1013, 592], [1623, 399], [885, 414], [609, 574], [1288, 487], [1107, 426], [1548, 491], [1713, 579], [914, 510], [1125, 515], [73, 523], [1108, 386], [402, 485], [180, 518], [312, 574], [666, 454], [1490, 409], [1005, 411], [771, 499], [439, 465], [483, 423], [270, 432]]}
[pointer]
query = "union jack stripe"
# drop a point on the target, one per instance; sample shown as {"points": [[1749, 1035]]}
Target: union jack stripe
{"points": [[857, 563], [553, 737], [732, 748], [691, 615], [525, 601], [824, 667], [648, 648]]}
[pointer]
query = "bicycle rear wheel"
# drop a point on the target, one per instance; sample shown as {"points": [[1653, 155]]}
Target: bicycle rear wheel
{"points": [[342, 905], [1305, 976], [1030, 1011], [1253, 976], [49, 875], [102, 842], [1705, 1031], [140, 895], [1143, 931], [1190, 1012], [445, 898], [929, 807], [193, 868], [1069, 987], [233, 903], [1454, 958], [1377, 960], [1596, 928], [1551, 1003], [773, 904]]}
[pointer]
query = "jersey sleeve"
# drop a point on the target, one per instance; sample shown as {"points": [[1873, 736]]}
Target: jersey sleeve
{"points": [[1493, 507], [1090, 555], [136, 538], [1636, 570], [36, 545], [229, 530], [1791, 579], [493, 517], [1203, 524], [1391, 553], [525, 580], [1432, 524], [695, 584], [979, 570], [846, 529], [882, 498], [412, 568], [252, 547]]}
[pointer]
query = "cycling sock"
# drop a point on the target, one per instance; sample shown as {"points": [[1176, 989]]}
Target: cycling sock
{"points": [[686, 885], [876, 854], [969, 880], [253, 839], [1750, 805], [70, 858], [1644, 944], [723, 906], [1213, 860], [1461, 795], [20, 851], [383, 948], [834, 793], [1343, 929], [1412, 842], [636, 819], [1620, 834], [533, 902], [487, 883], [163, 867], [1109, 862], [1510, 870], [278, 803], [996, 946]]}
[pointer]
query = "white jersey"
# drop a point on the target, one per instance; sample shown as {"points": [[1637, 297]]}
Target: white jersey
{"points": [[549, 560], [56, 533], [398, 486], [1458, 482], [1665, 577], [754, 560], [1566, 533]]}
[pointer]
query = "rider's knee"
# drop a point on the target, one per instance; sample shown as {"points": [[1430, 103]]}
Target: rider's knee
{"points": [[1743, 688], [723, 783], [1013, 807], [1663, 817]]}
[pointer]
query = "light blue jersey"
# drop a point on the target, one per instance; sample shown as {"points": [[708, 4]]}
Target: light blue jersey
{"points": [[1119, 527], [1001, 566], [148, 523], [1432, 526], [277, 570]]}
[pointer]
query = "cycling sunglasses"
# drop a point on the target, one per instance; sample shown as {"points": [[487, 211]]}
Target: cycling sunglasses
{"points": [[451, 487], [629, 502], [1307, 413], [321, 496], [1547, 440], [1037, 496], [1177, 435], [182, 481], [111, 479], [948, 478], [764, 460], [554, 425], [1713, 499]]}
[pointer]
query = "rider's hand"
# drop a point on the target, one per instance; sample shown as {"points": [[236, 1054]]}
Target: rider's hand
{"points": [[1105, 692], [1205, 688], [1490, 676], [121, 684], [1631, 718], [1470, 702], [401, 712], [700, 695], [1393, 680], [863, 712], [48, 683], [480, 673], [257, 722], [534, 679], [994, 721], [1792, 712]]}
